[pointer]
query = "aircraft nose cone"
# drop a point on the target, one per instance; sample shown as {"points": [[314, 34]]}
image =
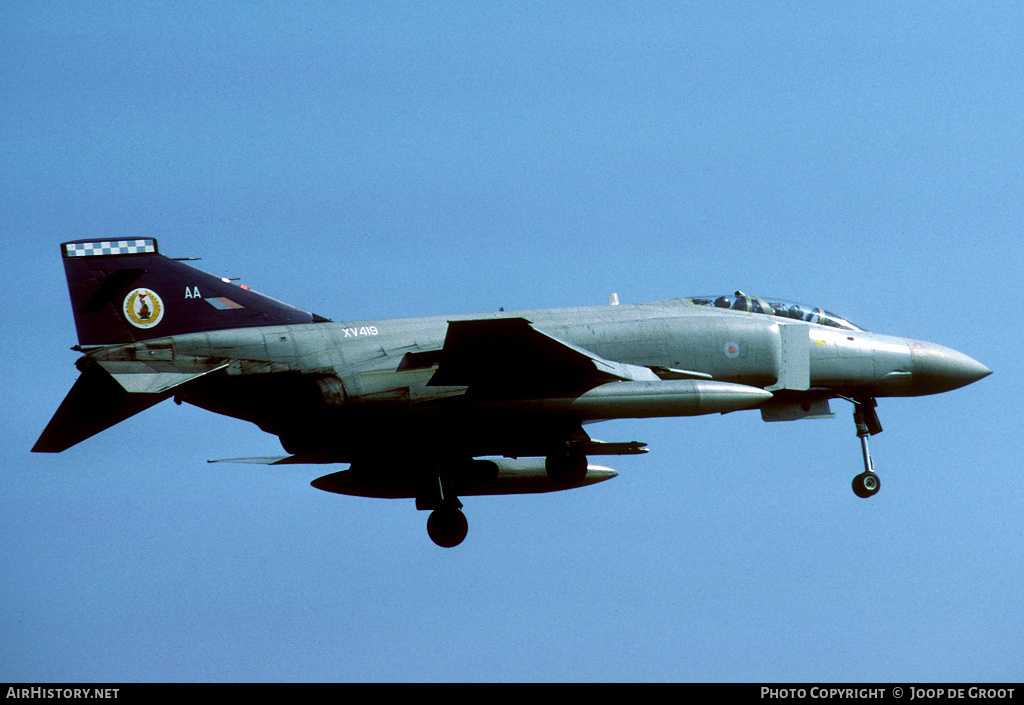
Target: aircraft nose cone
{"points": [[939, 369]]}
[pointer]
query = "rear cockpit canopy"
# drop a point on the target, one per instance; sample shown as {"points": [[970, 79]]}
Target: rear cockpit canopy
{"points": [[775, 307]]}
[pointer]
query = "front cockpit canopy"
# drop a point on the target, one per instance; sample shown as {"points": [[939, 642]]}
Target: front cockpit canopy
{"points": [[775, 307]]}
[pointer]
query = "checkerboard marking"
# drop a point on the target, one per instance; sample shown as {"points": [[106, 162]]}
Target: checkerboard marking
{"points": [[110, 247]]}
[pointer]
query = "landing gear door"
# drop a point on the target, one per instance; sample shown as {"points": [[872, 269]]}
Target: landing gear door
{"points": [[795, 360]]}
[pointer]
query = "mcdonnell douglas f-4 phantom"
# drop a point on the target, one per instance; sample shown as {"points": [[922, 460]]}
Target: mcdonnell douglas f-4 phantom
{"points": [[442, 407]]}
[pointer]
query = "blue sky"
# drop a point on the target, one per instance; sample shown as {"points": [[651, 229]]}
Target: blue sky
{"points": [[374, 160]]}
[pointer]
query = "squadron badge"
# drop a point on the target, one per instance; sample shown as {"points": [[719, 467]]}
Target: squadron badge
{"points": [[143, 308]]}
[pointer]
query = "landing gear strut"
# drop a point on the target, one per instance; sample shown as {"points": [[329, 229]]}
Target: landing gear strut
{"points": [[447, 526], [867, 483]]}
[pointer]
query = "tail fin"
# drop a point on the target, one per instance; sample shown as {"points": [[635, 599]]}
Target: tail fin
{"points": [[125, 291]]}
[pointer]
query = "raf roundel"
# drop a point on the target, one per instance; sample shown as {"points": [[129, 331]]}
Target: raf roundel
{"points": [[143, 308]]}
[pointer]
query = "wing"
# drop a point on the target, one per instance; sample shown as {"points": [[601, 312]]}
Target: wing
{"points": [[509, 357]]}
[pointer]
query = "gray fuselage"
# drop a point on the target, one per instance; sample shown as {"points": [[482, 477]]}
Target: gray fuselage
{"points": [[348, 387]]}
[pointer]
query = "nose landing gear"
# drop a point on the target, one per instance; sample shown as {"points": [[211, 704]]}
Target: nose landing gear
{"points": [[867, 483]]}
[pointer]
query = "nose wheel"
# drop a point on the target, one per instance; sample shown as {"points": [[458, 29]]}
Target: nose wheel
{"points": [[867, 483]]}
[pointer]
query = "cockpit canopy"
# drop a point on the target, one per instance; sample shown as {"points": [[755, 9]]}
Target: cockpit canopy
{"points": [[775, 307]]}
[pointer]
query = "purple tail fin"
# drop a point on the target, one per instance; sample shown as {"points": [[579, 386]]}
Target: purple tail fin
{"points": [[124, 291]]}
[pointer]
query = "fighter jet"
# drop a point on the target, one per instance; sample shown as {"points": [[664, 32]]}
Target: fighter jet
{"points": [[445, 407]]}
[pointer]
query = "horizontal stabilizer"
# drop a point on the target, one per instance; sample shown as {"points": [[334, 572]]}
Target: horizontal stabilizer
{"points": [[156, 377], [95, 403], [110, 391]]}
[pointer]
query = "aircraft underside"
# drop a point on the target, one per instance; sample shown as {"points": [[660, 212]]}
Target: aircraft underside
{"points": [[432, 454]]}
